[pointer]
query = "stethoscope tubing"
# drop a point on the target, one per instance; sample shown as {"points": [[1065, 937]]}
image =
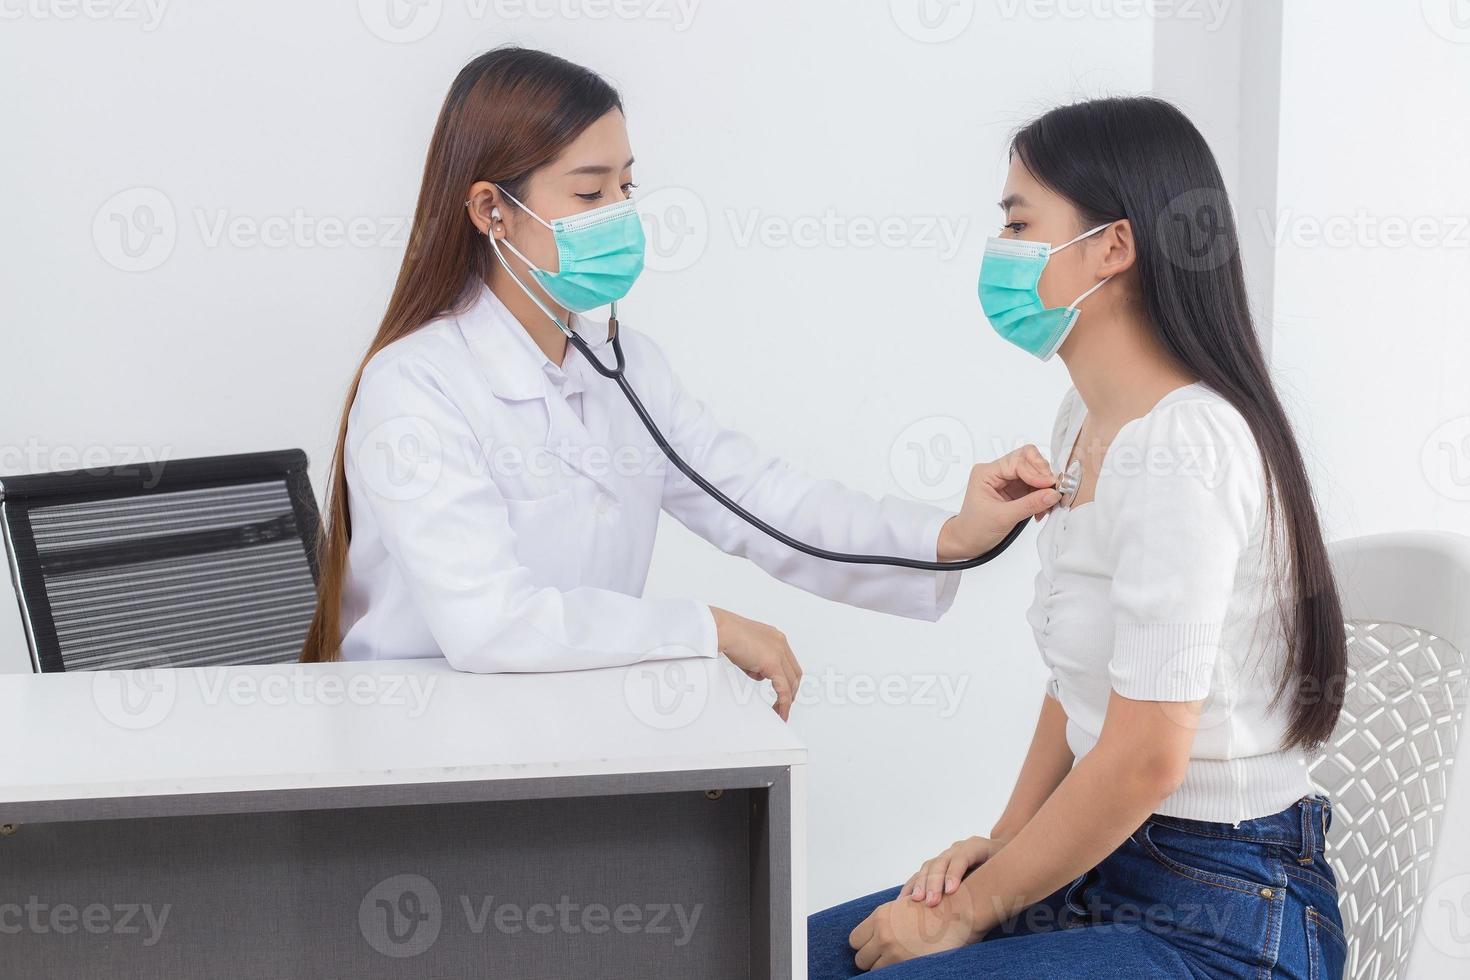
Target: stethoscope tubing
{"points": [[617, 373]]}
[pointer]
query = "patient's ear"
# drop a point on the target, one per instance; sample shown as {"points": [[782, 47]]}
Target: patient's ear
{"points": [[1118, 252]]}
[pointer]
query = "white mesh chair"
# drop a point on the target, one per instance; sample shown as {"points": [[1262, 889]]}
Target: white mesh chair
{"points": [[1406, 598]]}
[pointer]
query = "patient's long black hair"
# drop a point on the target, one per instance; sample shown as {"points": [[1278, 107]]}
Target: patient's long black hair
{"points": [[1143, 160]]}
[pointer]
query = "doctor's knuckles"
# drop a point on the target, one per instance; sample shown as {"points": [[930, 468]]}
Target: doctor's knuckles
{"points": [[763, 653]]}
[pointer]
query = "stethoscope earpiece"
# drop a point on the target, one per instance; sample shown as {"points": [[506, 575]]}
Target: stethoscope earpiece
{"points": [[494, 211]]}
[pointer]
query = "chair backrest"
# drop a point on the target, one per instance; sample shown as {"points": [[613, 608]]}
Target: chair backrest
{"points": [[181, 563], [1406, 598]]}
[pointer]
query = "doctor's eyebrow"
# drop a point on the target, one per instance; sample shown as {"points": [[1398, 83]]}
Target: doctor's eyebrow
{"points": [[596, 170], [1012, 201]]}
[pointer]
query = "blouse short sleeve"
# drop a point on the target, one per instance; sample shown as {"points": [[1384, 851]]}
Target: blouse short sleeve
{"points": [[1185, 495]]}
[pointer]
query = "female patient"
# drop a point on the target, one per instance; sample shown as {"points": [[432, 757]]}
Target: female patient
{"points": [[1162, 824]]}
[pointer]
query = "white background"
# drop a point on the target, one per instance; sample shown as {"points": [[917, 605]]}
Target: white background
{"points": [[249, 135]]}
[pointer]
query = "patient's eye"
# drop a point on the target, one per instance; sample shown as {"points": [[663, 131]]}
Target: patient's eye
{"points": [[1014, 227]]}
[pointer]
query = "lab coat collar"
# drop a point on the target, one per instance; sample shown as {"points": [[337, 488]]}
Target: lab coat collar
{"points": [[513, 365], [516, 371]]}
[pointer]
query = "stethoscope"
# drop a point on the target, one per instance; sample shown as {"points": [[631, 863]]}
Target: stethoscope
{"points": [[1067, 485]]}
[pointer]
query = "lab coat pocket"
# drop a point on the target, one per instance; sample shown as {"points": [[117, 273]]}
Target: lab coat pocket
{"points": [[546, 537]]}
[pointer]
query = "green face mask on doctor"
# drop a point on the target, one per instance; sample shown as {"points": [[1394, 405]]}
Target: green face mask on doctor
{"points": [[1009, 274], [599, 255]]}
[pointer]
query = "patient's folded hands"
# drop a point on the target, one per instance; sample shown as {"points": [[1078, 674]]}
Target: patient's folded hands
{"points": [[903, 930], [941, 875]]}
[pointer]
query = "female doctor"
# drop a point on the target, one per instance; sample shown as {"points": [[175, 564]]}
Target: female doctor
{"points": [[494, 501]]}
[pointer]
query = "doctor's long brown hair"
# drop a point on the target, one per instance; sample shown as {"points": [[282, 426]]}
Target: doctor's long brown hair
{"points": [[509, 112]]}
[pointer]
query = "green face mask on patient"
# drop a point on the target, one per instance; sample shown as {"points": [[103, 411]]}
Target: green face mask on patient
{"points": [[1009, 274]]}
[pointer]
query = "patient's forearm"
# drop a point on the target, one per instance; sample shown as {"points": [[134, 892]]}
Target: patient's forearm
{"points": [[1102, 801], [1047, 763]]}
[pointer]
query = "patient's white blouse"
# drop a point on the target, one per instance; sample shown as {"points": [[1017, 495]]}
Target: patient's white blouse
{"points": [[1163, 588]]}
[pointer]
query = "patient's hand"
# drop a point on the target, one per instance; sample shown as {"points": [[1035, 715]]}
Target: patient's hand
{"points": [[1000, 495], [941, 875], [902, 930]]}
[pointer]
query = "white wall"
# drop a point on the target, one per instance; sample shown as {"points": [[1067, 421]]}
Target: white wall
{"points": [[783, 117], [775, 112], [1373, 261], [1372, 302], [1224, 71]]}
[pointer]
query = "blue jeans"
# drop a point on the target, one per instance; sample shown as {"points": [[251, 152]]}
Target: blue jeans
{"points": [[1179, 898]]}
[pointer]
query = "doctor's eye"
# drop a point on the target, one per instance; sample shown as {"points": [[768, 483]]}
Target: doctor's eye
{"points": [[629, 188], [1014, 227], [594, 196]]}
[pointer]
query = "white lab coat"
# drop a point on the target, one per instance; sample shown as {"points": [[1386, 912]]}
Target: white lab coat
{"points": [[492, 526]]}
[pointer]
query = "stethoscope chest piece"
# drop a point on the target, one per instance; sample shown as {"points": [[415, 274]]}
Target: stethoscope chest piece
{"points": [[1070, 483]]}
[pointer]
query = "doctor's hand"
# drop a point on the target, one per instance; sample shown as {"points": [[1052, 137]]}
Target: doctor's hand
{"points": [[1001, 494], [762, 652]]}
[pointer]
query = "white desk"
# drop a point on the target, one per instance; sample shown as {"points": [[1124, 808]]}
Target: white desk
{"points": [[399, 818]]}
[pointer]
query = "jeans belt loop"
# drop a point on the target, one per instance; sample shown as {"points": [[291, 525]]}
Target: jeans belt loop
{"points": [[1308, 846]]}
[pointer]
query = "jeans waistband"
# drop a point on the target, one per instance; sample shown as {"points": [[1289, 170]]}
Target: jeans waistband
{"points": [[1302, 827]]}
